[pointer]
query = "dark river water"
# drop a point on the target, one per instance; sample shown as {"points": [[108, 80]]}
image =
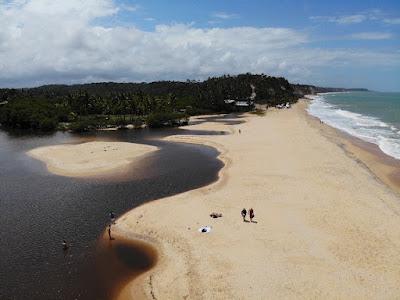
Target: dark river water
{"points": [[38, 210]]}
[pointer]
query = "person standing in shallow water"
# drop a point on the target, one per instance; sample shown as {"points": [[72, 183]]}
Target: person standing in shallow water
{"points": [[251, 214], [244, 213], [109, 232]]}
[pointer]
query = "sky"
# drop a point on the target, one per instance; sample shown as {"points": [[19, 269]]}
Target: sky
{"points": [[326, 43]]}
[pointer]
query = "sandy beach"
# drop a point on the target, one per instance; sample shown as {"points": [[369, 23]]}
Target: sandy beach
{"points": [[383, 166], [326, 225], [91, 158]]}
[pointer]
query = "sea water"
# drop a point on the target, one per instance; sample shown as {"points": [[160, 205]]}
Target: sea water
{"points": [[371, 116]]}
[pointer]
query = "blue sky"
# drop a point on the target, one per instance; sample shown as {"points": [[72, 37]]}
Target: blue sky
{"points": [[329, 43], [294, 14]]}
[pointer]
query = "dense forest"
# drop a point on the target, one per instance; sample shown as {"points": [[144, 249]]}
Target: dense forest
{"points": [[163, 103]]}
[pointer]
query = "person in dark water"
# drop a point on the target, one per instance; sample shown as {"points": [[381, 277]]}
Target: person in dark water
{"points": [[244, 213], [112, 217], [65, 245]]}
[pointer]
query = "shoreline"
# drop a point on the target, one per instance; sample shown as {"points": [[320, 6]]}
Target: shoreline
{"points": [[384, 167], [141, 285], [181, 250]]}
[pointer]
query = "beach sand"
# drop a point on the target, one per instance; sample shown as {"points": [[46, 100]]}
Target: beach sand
{"points": [[327, 227], [383, 166], [91, 158]]}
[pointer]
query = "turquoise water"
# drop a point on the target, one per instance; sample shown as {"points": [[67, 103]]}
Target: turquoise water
{"points": [[371, 116]]}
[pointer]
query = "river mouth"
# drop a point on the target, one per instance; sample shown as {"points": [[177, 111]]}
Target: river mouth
{"points": [[40, 209]]}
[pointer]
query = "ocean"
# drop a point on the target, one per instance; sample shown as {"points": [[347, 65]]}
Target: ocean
{"points": [[371, 116]]}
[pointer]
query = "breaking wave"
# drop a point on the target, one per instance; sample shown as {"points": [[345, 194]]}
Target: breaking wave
{"points": [[367, 128]]}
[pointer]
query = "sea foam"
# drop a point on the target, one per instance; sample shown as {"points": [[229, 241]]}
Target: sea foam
{"points": [[367, 128]]}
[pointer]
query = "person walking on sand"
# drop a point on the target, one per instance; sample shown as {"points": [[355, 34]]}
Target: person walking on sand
{"points": [[244, 213], [109, 232], [251, 214]]}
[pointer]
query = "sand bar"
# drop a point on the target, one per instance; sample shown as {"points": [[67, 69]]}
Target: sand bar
{"points": [[90, 159], [326, 226]]}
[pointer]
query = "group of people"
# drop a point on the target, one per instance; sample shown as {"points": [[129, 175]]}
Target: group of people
{"points": [[66, 245], [244, 214]]}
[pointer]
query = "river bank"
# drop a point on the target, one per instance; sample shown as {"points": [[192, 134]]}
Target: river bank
{"points": [[326, 227]]}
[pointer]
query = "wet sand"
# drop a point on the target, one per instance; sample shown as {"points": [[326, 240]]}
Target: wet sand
{"points": [[326, 225], [91, 158]]}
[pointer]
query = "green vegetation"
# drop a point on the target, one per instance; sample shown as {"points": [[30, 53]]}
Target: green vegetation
{"points": [[31, 114], [157, 104]]}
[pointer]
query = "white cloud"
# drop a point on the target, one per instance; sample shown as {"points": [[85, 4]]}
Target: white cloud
{"points": [[393, 21], [150, 19], [348, 19], [129, 8], [370, 15], [351, 19], [372, 36], [224, 15], [51, 41]]}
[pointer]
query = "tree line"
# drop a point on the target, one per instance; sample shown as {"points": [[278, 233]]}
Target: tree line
{"points": [[161, 103]]}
